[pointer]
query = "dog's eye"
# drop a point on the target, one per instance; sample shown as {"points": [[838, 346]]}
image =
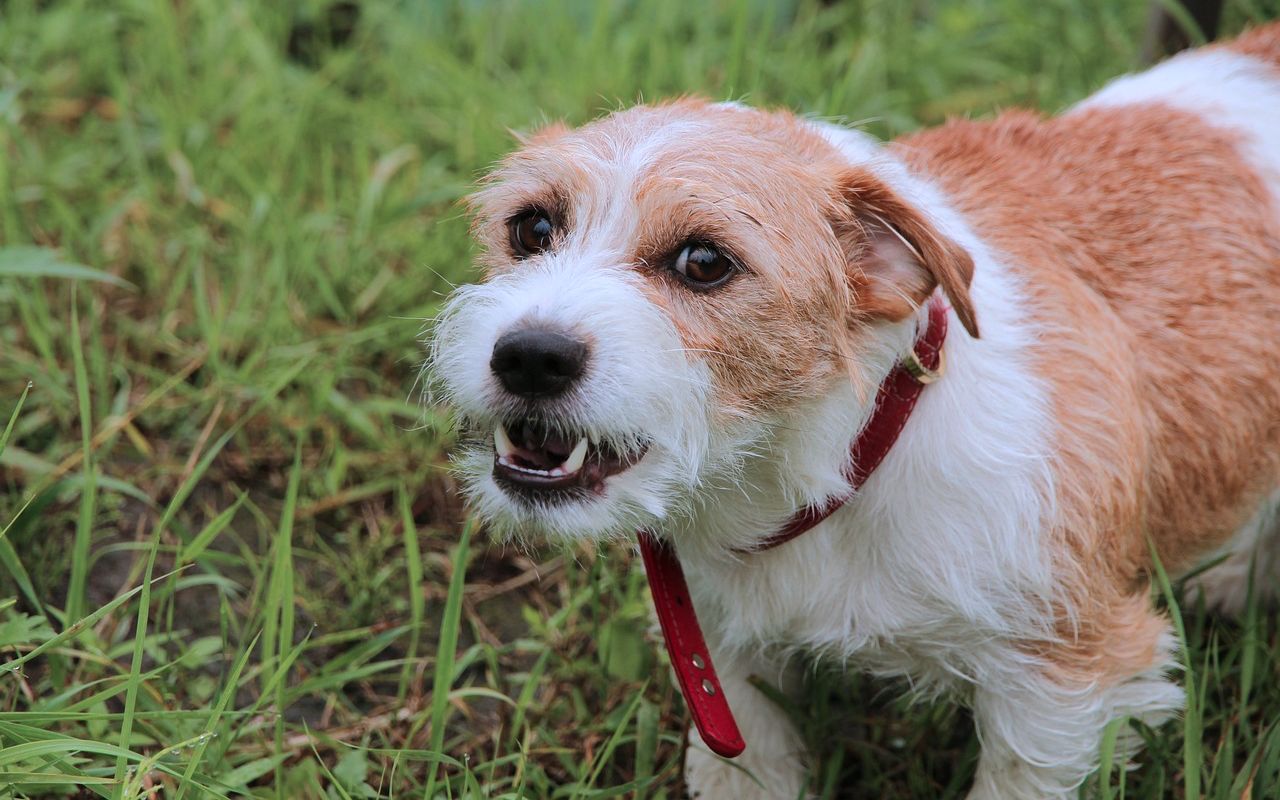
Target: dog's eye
{"points": [[702, 266], [530, 233]]}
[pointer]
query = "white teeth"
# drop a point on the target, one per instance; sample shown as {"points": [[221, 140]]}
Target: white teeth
{"points": [[574, 462], [506, 452], [502, 442]]}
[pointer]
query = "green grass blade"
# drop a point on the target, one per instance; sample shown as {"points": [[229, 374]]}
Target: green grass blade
{"points": [[16, 780], [13, 417], [225, 698], [280, 597], [1252, 645], [194, 548], [1192, 729], [611, 744], [135, 665], [446, 651], [88, 494], [1107, 754], [417, 604], [13, 563], [24, 261], [646, 742]]}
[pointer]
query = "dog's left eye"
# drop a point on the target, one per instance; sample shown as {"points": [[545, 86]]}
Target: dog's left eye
{"points": [[530, 233], [702, 266]]}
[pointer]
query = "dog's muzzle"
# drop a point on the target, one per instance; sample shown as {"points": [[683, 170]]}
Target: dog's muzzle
{"points": [[533, 456]]}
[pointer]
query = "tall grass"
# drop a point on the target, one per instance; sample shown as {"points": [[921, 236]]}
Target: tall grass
{"points": [[230, 561]]}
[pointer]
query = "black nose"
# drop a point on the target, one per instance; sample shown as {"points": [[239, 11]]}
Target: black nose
{"points": [[537, 363]]}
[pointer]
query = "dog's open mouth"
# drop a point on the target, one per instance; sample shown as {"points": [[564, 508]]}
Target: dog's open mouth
{"points": [[529, 455]]}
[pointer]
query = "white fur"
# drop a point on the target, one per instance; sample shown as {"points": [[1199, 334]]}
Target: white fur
{"points": [[623, 399], [1040, 739]]}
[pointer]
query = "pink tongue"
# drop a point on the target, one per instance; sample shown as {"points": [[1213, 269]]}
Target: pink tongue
{"points": [[542, 450]]}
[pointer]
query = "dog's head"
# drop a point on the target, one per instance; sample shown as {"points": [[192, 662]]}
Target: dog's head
{"points": [[665, 289]]}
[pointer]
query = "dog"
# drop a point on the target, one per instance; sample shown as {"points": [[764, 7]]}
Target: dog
{"points": [[691, 309]]}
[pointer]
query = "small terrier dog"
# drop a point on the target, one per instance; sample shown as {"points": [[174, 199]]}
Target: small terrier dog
{"points": [[688, 310]]}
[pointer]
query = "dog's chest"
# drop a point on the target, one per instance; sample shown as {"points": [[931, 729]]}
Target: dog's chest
{"points": [[837, 594]]}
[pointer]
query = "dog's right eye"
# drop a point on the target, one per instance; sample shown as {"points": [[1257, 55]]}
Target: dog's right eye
{"points": [[702, 266], [530, 233]]}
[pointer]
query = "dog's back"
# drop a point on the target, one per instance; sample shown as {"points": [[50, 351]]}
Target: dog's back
{"points": [[1145, 223], [1262, 43]]}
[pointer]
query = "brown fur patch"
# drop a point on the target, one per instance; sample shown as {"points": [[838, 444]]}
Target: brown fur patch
{"points": [[1151, 253], [1262, 42]]}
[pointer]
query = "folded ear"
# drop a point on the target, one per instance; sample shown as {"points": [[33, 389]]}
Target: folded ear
{"points": [[896, 257]]}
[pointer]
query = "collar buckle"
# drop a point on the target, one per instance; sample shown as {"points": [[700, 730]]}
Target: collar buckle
{"points": [[920, 372]]}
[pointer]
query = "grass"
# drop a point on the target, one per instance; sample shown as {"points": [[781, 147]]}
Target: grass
{"points": [[230, 561]]}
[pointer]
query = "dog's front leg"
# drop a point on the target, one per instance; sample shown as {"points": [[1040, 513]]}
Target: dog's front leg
{"points": [[1041, 734], [773, 766], [1035, 742]]}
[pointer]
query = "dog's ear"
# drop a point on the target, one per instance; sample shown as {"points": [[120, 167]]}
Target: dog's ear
{"points": [[895, 255]]}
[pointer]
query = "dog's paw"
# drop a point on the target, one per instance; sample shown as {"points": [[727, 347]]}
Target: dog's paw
{"points": [[709, 777]]}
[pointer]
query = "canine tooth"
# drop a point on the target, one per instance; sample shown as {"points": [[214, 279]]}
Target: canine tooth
{"points": [[574, 462], [502, 442]]}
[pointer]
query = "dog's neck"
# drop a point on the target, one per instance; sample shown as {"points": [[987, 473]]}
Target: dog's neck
{"points": [[895, 400], [798, 463], [689, 655]]}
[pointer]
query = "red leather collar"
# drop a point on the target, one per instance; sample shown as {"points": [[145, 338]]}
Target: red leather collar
{"points": [[690, 659]]}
